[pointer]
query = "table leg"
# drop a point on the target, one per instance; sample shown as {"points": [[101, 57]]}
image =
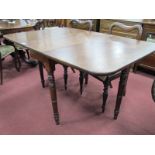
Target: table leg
{"points": [[121, 89], [52, 87], [41, 71], [65, 75], [105, 93]]}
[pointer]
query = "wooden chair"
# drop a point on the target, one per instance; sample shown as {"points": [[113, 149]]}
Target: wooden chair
{"points": [[84, 24], [6, 50], [41, 25], [107, 79]]}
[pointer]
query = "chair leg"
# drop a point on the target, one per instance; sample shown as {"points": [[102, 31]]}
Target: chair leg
{"points": [[65, 76], [17, 61], [81, 81], [110, 85], [41, 71], [73, 70], [86, 78], [135, 68], [1, 71], [105, 93], [28, 54]]}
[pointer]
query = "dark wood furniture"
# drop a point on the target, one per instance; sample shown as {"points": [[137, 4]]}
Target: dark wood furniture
{"points": [[107, 79], [41, 25], [6, 50], [14, 26], [84, 25], [147, 64], [153, 91], [91, 52]]}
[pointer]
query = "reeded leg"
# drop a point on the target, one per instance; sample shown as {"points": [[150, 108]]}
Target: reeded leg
{"points": [[86, 78], [81, 81], [105, 93], [121, 90], [41, 71], [52, 88], [65, 76]]}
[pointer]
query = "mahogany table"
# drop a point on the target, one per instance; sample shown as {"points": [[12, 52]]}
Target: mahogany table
{"points": [[92, 52]]}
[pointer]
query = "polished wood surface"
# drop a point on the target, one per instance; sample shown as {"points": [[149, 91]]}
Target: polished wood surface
{"points": [[147, 64], [90, 51], [96, 53]]}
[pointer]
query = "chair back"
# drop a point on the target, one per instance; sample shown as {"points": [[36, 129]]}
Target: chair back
{"points": [[79, 23], [43, 23], [127, 28]]}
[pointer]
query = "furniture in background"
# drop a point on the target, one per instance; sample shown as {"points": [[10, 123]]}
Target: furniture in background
{"points": [[9, 26], [6, 50], [41, 25], [66, 46], [84, 25], [75, 23]]}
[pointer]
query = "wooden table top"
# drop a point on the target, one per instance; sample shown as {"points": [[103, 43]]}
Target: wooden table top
{"points": [[19, 23], [93, 52]]}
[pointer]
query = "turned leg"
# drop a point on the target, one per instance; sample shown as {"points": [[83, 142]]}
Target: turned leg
{"points": [[52, 87], [41, 71], [86, 78], [28, 54], [17, 61], [65, 76], [121, 90], [105, 93], [81, 81]]}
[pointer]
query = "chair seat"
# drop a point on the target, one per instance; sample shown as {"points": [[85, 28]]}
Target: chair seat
{"points": [[112, 77], [19, 47], [101, 78], [6, 50]]}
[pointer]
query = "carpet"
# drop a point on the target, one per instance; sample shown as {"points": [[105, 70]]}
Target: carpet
{"points": [[25, 107]]}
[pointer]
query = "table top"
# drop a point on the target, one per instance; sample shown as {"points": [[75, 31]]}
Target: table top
{"points": [[94, 52], [18, 23]]}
